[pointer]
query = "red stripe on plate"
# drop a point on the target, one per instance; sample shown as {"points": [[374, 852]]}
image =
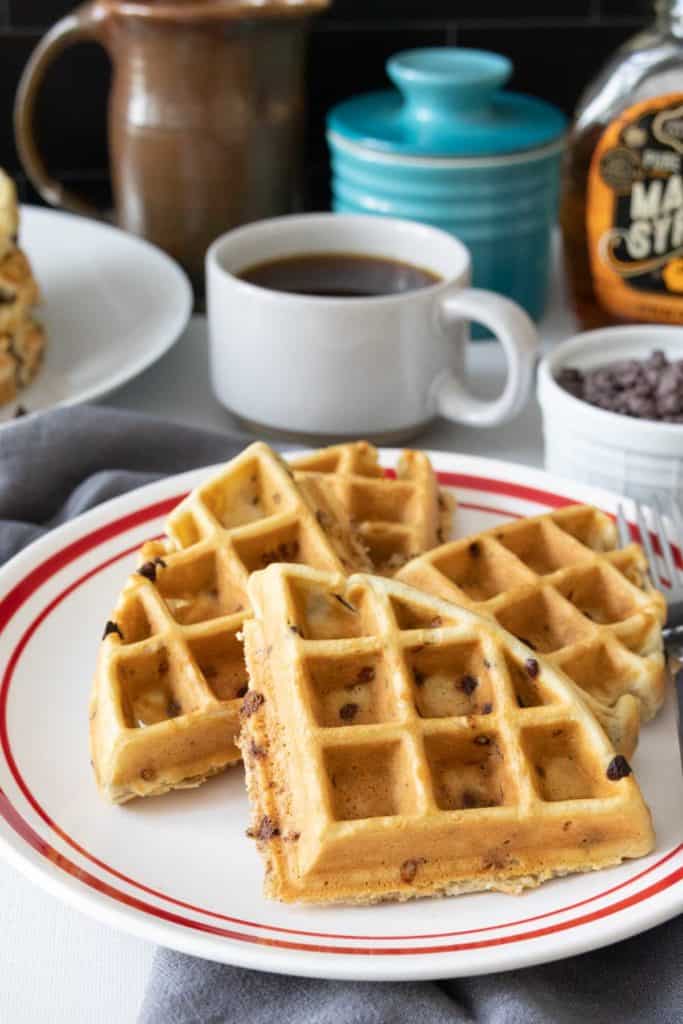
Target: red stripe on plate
{"points": [[40, 846], [52, 565], [30, 583]]}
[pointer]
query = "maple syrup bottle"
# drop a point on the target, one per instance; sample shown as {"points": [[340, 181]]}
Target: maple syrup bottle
{"points": [[622, 192]]}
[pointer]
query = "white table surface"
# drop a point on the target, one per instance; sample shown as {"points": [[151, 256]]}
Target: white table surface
{"points": [[57, 965]]}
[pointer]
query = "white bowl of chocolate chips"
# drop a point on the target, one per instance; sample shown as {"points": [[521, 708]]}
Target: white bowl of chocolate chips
{"points": [[612, 402]]}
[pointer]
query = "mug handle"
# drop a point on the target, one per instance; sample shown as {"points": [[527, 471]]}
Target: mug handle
{"points": [[516, 332], [82, 24]]}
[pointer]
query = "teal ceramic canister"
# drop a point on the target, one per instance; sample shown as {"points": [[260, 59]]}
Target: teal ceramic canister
{"points": [[450, 147]]}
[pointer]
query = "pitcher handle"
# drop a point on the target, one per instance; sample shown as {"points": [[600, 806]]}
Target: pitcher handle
{"points": [[82, 24]]}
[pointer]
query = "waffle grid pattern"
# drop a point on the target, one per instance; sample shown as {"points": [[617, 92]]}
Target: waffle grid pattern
{"points": [[396, 518], [558, 583], [171, 681], [401, 722]]}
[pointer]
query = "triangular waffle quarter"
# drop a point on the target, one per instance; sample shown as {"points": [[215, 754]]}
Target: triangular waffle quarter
{"points": [[388, 757], [165, 706], [398, 516], [560, 583]]}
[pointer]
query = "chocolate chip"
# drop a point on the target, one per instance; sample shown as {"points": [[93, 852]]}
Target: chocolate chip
{"points": [[645, 389], [295, 629], [266, 829], [486, 709], [474, 549], [242, 690], [409, 870], [173, 708], [345, 603], [347, 712], [149, 571], [288, 551], [618, 768], [366, 674], [112, 627], [20, 411], [419, 677], [251, 703], [532, 667], [571, 380], [468, 684]]}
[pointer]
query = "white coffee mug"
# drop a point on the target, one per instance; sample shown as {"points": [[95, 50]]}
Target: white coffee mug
{"points": [[382, 366]]}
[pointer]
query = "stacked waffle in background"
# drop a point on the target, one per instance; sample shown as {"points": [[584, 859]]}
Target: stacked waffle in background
{"points": [[22, 338]]}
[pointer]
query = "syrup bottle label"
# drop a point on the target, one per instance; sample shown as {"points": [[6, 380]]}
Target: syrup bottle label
{"points": [[634, 212]]}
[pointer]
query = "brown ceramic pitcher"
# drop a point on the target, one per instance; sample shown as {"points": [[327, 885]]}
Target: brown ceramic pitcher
{"points": [[205, 114]]}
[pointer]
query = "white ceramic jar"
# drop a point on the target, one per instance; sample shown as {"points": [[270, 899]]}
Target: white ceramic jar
{"points": [[627, 456]]}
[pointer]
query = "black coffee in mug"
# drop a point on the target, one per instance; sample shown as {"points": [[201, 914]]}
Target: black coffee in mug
{"points": [[338, 275]]}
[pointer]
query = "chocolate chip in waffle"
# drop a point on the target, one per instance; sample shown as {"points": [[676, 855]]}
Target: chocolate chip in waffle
{"points": [[559, 583], [165, 705], [388, 755], [397, 517]]}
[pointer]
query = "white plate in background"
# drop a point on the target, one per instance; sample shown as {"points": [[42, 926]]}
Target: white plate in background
{"points": [[111, 304]]}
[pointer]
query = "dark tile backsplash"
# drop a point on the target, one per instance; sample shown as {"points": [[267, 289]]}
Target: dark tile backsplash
{"points": [[455, 10], [556, 46]]}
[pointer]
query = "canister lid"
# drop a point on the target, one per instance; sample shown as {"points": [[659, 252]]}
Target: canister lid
{"points": [[450, 102]]}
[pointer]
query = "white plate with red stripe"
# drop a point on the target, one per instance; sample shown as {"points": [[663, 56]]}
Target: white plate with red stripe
{"points": [[178, 870]]}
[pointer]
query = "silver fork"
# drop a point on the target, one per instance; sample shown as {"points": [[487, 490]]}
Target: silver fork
{"points": [[674, 591], [672, 633]]}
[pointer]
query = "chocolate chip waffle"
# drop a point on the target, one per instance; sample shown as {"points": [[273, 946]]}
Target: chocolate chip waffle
{"points": [[22, 339], [397, 517], [9, 214], [387, 754], [559, 584], [18, 290], [165, 705]]}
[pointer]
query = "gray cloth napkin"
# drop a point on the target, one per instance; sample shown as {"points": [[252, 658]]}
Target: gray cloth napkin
{"points": [[61, 463]]}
